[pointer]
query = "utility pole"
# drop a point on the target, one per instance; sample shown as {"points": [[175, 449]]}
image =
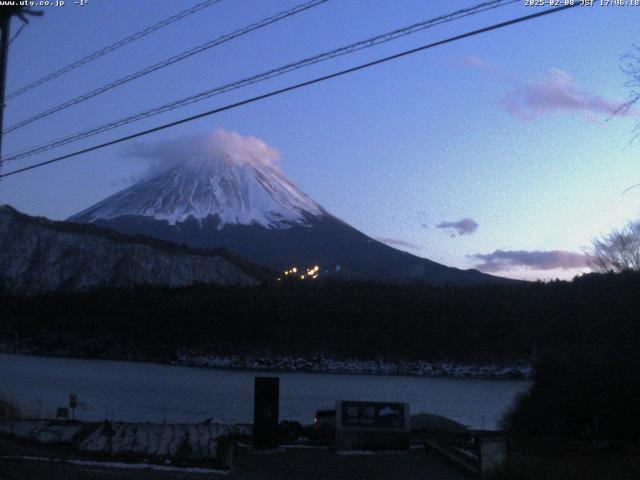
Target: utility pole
{"points": [[6, 13], [5, 24]]}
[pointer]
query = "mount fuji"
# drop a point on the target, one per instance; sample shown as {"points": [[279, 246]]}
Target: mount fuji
{"points": [[225, 190]]}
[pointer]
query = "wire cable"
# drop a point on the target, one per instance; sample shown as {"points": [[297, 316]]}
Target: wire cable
{"points": [[17, 34], [354, 47], [113, 46], [295, 87], [170, 61]]}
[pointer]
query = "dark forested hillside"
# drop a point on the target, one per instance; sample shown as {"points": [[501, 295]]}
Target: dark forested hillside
{"points": [[474, 323]]}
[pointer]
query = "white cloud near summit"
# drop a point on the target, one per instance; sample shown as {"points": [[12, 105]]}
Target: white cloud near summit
{"points": [[214, 145]]}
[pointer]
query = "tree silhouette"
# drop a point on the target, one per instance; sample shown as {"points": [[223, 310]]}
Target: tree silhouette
{"points": [[618, 251]]}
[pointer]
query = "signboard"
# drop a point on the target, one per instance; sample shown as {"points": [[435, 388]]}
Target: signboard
{"points": [[372, 415], [372, 425]]}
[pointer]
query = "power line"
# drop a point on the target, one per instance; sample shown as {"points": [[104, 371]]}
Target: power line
{"points": [[295, 87], [170, 61], [113, 46], [370, 42], [17, 34]]}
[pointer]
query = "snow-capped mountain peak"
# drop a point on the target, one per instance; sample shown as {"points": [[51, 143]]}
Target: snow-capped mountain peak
{"points": [[240, 191]]}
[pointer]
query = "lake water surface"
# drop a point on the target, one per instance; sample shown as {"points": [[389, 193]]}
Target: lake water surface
{"points": [[135, 391]]}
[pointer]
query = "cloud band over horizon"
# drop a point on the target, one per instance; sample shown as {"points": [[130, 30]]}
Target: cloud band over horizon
{"points": [[503, 260]]}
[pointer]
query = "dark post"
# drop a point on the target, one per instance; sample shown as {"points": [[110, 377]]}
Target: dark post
{"points": [[5, 22], [266, 412], [73, 402], [6, 13]]}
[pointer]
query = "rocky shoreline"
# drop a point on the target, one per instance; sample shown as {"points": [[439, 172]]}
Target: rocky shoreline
{"points": [[288, 363], [316, 364]]}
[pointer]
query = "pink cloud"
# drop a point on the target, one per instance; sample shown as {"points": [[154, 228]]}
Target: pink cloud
{"points": [[474, 61], [466, 226], [501, 260], [558, 93]]}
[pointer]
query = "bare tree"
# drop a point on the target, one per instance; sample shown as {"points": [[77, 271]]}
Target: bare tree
{"points": [[631, 69], [619, 251]]}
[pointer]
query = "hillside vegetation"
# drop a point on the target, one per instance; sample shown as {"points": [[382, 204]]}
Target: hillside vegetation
{"points": [[365, 320]]}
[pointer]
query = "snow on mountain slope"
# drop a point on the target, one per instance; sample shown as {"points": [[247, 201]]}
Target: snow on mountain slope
{"points": [[238, 188]]}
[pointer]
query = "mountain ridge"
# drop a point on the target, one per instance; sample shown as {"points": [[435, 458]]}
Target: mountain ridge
{"points": [[38, 254]]}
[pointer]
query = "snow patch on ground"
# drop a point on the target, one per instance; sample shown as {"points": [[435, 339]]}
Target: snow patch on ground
{"points": [[121, 465], [355, 366], [42, 431], [151, 440]]}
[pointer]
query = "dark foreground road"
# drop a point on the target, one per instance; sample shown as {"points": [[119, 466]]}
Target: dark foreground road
{"points": [[298, 464], [39, 470]]}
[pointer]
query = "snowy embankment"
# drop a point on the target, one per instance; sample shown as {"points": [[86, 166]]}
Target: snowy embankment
{"points": [[120, 439], [355, 366], [41, 431]]}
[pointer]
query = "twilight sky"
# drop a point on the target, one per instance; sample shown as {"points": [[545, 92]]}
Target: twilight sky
{"points": [[495, 151]]}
